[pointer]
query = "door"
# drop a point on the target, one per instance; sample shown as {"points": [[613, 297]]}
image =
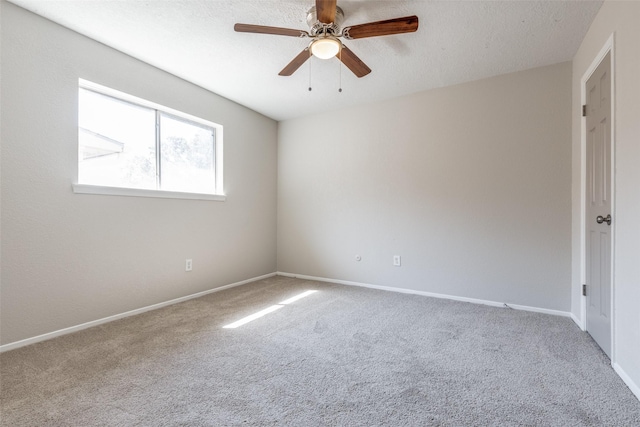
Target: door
{"points": [[598, 204]]}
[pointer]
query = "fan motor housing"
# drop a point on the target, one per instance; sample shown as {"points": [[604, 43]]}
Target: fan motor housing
{"points": [[316, 27]]}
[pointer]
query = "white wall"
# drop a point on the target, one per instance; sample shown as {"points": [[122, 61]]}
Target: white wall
{"points": [[470, 184], [69, 258], [621, 18]]}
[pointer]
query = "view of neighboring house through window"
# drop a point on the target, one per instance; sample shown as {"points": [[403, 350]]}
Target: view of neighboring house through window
{"points": [[131, 145]]}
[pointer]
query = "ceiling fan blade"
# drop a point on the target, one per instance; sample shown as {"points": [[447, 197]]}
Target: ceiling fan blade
{"points": [[407, 24], [326, 11], [353, 63], [261, 29], [296, 63]]}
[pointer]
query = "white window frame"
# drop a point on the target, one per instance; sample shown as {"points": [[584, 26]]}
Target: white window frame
{"points": [[136, 192]]}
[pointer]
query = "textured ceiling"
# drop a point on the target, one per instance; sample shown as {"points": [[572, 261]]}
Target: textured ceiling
{"points": [[457, 41]]}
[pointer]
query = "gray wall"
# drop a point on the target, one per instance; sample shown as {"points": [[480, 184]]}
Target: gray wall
{"points": [[68, 258], [621, 18], [470, 184]]}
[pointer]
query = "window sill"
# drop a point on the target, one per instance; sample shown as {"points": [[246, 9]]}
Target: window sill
{"points": [[135, 192]]}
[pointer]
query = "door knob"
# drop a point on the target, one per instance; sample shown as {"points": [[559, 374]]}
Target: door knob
{"points": [[600, 219]]}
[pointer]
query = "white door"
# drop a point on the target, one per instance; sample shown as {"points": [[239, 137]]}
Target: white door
{"points": [[598, 204]]}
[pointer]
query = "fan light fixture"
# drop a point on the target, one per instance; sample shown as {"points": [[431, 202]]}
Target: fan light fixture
{"points": [[325, 47]]}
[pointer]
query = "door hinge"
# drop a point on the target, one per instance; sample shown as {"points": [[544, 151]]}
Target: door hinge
{"points": [[584, 110], [584, 290]]}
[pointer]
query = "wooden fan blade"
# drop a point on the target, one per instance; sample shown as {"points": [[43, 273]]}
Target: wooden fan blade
{"points": [[407, 24], [296, 63], [326, 11], [353, 63], [261, 29]]}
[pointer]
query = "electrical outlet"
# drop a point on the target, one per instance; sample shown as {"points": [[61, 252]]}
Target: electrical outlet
{"points": [[188, 265], [396, 261]]}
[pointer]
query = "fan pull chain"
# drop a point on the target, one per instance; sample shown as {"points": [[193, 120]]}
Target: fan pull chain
{"points": [[310, 74], [340, 57]]}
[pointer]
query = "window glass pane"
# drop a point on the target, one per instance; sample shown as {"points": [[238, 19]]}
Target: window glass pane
{"points": [[116, 142], [186, 156]]}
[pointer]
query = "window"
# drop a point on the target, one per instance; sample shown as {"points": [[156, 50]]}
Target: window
{"points": [[129, 146]]}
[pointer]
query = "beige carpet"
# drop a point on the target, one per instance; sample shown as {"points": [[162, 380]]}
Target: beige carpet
{"points": [[343, 356]]}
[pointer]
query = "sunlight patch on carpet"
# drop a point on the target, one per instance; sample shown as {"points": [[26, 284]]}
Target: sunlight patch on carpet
{"points": [[268, 310], [297, 297]]}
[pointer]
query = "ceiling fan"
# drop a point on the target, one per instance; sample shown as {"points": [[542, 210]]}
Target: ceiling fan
{"points": [[325, 20]]}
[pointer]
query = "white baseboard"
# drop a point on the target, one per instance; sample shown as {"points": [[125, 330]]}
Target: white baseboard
{"points": [[578, 322], [65, 331], [635, 388], [430, 294]]}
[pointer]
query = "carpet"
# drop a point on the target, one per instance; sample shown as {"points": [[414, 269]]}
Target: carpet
{"points": [[342, 356]]}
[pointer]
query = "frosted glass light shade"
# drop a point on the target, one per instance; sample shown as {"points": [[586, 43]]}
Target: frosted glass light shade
{"points": [[325, 48]]}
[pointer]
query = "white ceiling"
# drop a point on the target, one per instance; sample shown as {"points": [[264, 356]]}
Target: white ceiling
{"points": [[457, 41]]}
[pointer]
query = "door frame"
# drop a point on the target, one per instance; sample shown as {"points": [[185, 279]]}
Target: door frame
{"points": [[609, 47]]}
